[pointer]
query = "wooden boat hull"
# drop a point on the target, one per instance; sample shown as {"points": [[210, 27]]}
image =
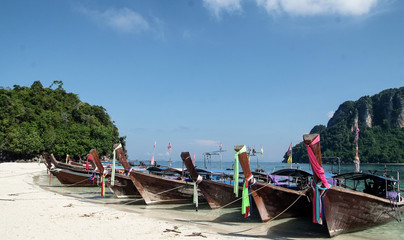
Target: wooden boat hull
{"points": [[348, 211], [279, 202], [68, 177], [219, 194], [156, 189], [124, 187]]}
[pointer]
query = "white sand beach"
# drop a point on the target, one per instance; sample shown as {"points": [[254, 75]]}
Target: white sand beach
{"points": [[32, 210], [28, 211]]}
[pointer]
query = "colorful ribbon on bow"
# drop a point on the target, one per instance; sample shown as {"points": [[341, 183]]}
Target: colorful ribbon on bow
{"points": [[246, 199], [103, 175], [235, 176], [113, 165], [318, 203], [196, 183], [319, 191]]}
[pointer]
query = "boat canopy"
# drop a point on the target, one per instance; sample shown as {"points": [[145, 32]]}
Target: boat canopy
{"points": [[292, 172], [363, 176]]}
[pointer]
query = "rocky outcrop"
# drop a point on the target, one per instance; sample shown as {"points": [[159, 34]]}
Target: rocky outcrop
{"points": [[400, 105], [385, 109]]}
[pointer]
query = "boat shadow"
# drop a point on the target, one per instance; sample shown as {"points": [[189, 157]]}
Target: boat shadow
{"points": [[235, 216], [226, 217], [291, 229]]}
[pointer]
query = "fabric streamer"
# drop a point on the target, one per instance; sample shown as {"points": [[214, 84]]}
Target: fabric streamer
{"points": [[92, 178], [90, 158], [113, 165], [196, 183], [318, 203], [103, 175], [319, 192], [128, 172], [235, 176], [246, 200]]}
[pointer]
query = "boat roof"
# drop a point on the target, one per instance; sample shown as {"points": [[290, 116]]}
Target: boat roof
{"points": [[159, 169], [362, 176], [218, 171], [291, 172]]}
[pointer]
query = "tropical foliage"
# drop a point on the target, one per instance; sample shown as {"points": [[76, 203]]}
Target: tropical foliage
{"points": [[37, 119]]}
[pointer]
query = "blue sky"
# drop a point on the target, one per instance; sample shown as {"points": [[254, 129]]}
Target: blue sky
{"points": [[203, 73]]}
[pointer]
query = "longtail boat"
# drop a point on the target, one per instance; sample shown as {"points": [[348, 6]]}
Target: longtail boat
{"points": [[122, 186], [274, 201], [217, 193], [71, 175], [157, 189], [372, 200]]}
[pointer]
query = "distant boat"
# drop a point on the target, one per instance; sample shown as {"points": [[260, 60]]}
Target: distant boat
{"points": [[216, 192], [369, 201], [277, 199]]}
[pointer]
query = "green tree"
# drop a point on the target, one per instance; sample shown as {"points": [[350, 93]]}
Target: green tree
{"points": [[37, 119]]}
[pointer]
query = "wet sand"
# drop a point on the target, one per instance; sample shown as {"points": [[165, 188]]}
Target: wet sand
{"points": [[30, 208]]}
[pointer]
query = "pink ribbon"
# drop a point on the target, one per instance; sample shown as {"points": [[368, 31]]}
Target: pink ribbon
{"points": [[317, 169]]}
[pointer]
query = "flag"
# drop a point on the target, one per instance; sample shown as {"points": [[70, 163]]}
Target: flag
{"points": [[290, 159], [169, 146], [262, 151], [220, 147], [154, 148], [356, 140], [357, 134], [289, 154], [193, 159]]}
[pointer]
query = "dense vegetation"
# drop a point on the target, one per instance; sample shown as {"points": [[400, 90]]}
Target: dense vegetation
{"points": [[37, 119], [379, 142]]}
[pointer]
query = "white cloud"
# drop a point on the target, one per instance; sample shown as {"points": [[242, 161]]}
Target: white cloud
{"points": [[206, 143], [330, 114], [318, 7], [122, 20], [219, 6]]}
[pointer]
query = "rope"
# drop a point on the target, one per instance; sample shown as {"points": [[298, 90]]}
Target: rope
{"points": [[285, 209], [211, 212]]}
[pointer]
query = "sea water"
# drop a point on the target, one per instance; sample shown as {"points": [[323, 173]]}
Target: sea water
{"points": [[230, 221]]}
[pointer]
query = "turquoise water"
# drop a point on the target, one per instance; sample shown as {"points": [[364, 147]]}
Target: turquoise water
{"points": [[272, 166], [229, 221]]}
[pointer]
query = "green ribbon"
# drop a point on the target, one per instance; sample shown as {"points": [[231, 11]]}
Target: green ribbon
{"points": [[235, 176], [245, 202], [113, 165]]}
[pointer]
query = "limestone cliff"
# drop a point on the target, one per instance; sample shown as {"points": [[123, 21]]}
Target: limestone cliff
{"points": [[380, 119], [385, 109]]}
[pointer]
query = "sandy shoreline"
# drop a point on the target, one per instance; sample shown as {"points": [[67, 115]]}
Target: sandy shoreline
{"points": [[31, 209], [29, 212]]}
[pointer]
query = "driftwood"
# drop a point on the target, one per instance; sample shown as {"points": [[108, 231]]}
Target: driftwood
{"points": [[196, 234]]}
